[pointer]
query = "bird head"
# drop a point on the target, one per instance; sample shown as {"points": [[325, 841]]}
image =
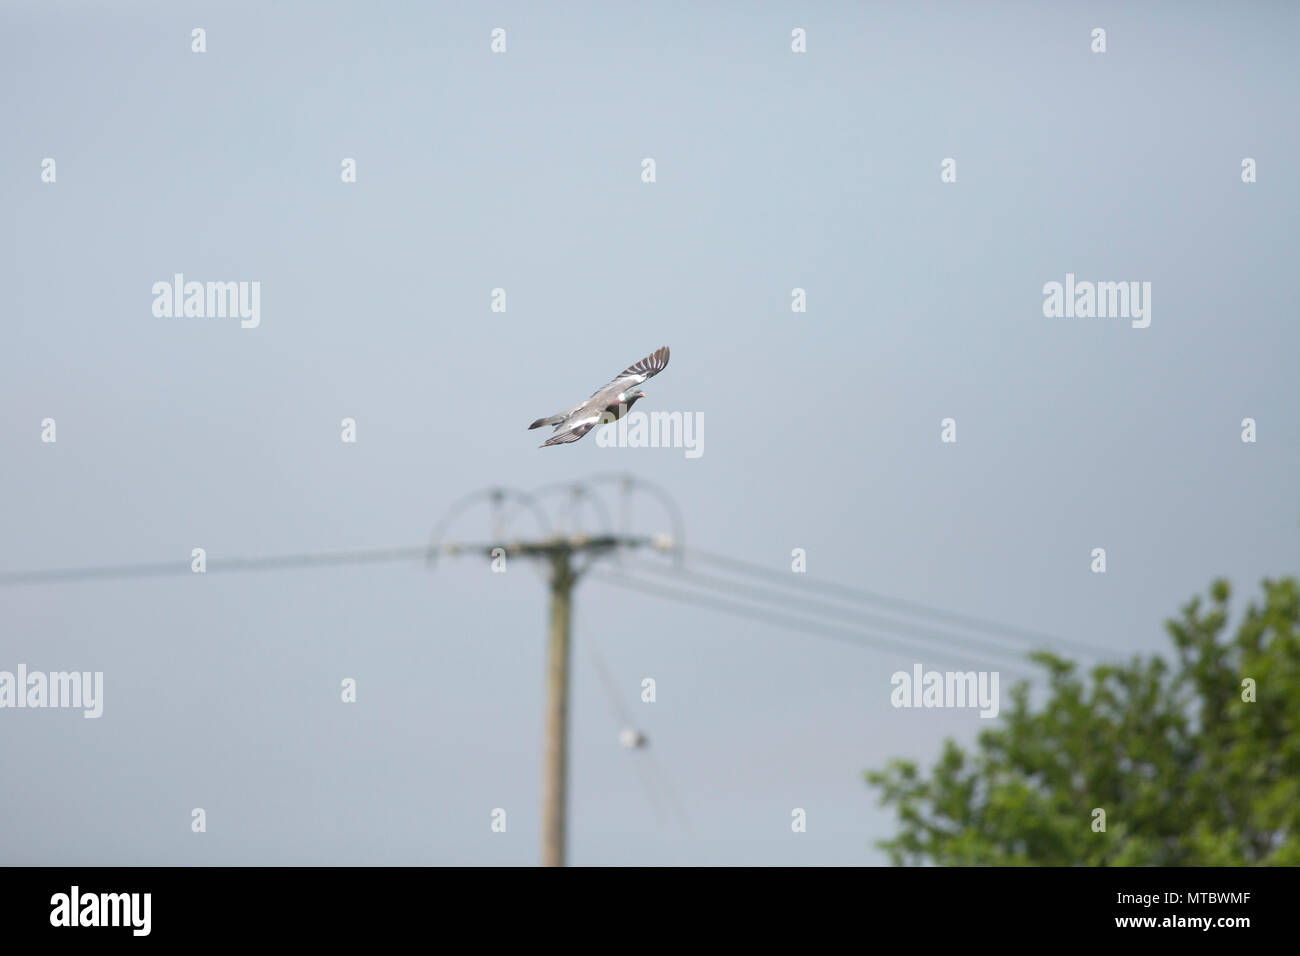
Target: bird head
{"points": [[628, 398]]}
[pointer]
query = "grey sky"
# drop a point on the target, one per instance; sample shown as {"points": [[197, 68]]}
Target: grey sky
{"points": [[775, 170]]}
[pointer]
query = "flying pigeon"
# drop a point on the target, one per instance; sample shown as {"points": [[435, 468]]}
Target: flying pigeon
{"points": [[606, 404]]}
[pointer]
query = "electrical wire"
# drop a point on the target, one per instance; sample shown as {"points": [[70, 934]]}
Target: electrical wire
{"points": [[819, 608], [215, 565], [857, 637], [862, 595]]}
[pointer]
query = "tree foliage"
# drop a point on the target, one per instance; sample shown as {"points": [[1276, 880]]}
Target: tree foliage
{"points": [[1187, 771]]}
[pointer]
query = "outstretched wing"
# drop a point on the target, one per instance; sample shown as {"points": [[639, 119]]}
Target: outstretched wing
{"points": [[635, 374]]}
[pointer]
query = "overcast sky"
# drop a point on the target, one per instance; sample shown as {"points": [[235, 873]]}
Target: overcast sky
{"points": [[522, 170]]}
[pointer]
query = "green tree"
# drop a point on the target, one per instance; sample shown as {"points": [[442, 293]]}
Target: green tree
{"points": [[1187, 771]]}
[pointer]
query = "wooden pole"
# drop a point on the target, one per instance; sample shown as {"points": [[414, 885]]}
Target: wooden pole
{"points": [[555, 772]]}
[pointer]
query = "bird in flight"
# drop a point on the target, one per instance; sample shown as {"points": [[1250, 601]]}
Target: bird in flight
{"points": [[607, 403]]}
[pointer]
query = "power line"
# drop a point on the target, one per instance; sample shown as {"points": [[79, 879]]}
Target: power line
{"points": [[869, 597], [857, 637], [652, 776], [826, 610], [215, 565], [621, 714]]}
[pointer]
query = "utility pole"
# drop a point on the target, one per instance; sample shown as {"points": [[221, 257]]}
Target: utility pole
{"points": [[559, 553], [555, 774], [566, 558]]}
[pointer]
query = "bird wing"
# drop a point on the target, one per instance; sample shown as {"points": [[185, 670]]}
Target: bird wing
{"points": [[579, 429], [636, 373]]}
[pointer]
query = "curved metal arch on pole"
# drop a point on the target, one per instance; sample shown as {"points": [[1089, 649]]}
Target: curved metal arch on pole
{"points": [[498, 496], [630, 482], [580, 493]]}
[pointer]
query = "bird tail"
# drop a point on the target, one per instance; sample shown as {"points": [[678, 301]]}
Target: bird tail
{"points": [[552, 420]]}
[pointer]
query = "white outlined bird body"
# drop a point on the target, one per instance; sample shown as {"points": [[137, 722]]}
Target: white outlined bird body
{"points": [[606, 404]]}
